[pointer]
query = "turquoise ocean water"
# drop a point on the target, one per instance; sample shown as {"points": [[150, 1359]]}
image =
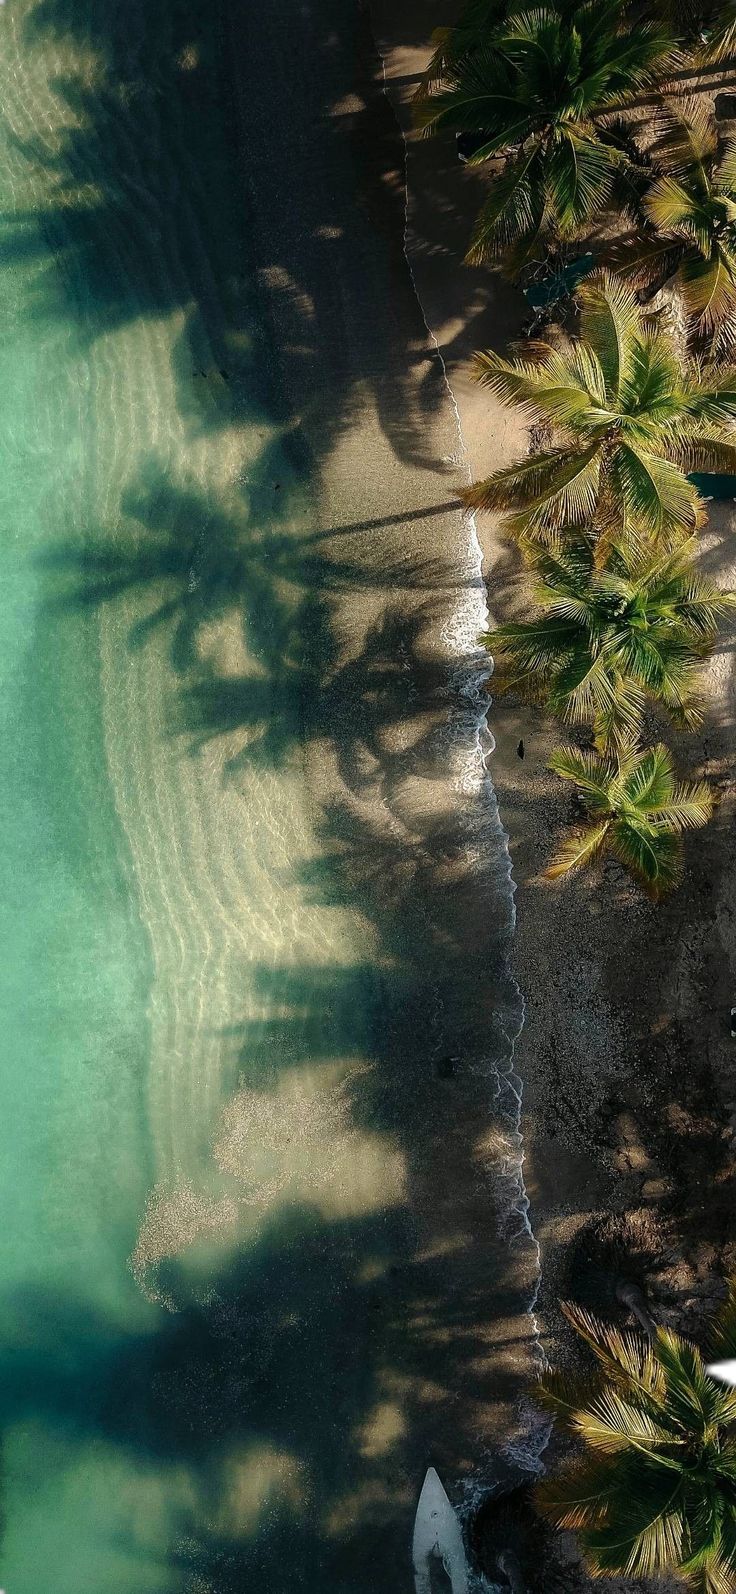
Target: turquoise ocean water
{"points": [[224, 1329]]}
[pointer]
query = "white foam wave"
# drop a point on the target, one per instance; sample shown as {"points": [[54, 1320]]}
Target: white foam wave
{"points": [[471, 743]]}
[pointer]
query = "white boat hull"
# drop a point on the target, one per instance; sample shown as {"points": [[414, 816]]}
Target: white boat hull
{"points": [[437, 1536]]}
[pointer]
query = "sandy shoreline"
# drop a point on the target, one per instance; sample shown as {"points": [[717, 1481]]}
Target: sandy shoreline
{"points": [[625, 1054], [264, 535], [312, 1110]]}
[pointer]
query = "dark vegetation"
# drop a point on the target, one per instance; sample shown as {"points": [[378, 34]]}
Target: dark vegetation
{"points": [[635, 408], [632, 397]]}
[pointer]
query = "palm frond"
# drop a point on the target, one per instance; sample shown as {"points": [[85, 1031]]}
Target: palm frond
{"points": [[558, 487], [564, 1393], [451, 45], [610, 1425], [711, 401], [722, 1334], [610, 320], [706, 454], [667, 205], [657, 495], [515, 382], [653, 857], [693, 1398], [709, 292], [689, 808], [512, 220], [654, 1494], [576, 1496], [721, 45], [718, 1576], [644, 1532], [725, 181], [624, 1356], [646, 260], [579, 173], [587, 771], [579, 849], [592, 689], [686, 136], [649, 780]]}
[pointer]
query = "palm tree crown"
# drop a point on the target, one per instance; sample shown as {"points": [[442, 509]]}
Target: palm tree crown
{"points": [[690, 218], [606, 638], [721, 42], [534, 87], [655, 1491], [451, 45], [638, 813], [631, 419]]}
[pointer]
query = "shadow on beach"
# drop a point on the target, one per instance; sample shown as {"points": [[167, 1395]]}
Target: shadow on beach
{"points": [[354, 1350], [146, 217], [343, 1353], [415, 1315]]}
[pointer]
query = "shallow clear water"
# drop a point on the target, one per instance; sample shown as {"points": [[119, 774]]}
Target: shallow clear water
{"points": [[235, 897]]}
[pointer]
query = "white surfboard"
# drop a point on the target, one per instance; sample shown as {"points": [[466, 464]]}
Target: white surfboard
{"points": [[437, 1536]]}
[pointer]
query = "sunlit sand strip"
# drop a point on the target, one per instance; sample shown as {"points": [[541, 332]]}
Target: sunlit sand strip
{"points": [[296, 1143], [163, 830], [193, 969], [209, 899], [121, 456]]}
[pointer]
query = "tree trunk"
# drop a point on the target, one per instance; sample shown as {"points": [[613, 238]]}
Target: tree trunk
{"points": [[630, 1295]]}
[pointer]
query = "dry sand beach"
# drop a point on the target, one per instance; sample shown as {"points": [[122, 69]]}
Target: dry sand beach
{"points": [[628, 1067]]}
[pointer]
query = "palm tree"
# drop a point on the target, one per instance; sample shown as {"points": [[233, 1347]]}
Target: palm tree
{"points": [[721, 42], [638, 813], [605, 639], [535, 87], [474, 24], [689, 215], [631, 419], [655, 1490]]}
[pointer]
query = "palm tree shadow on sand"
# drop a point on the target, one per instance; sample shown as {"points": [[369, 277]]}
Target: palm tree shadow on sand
{"points": [[406, 1338], [354, 1348]]}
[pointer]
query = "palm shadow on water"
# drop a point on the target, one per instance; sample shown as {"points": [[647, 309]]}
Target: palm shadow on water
{"points": [[323, 1321], [278, 1361], [298, 1341]]}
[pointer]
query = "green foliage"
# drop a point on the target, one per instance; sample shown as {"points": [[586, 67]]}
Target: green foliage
{"points": [[689, 221], [638, 813], [721, 39], [452, 45], [605, 639], [606, 512], [655, 1489], [535, 86], [630, 421]]}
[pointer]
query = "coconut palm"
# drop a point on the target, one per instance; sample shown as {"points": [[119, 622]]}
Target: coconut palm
{"points": [[638, 813], [689, 215], [655, 1489], [474, 24], [721, 36], [606, 639], [630, 419], [537, 88]]}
